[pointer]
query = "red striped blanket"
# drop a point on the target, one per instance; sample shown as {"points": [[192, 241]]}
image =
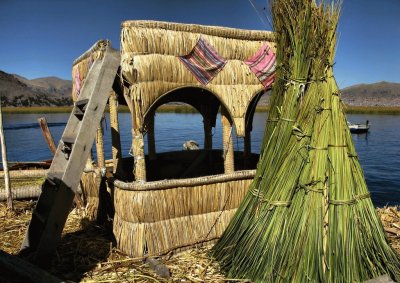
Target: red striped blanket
{"points": [[203, 61]]}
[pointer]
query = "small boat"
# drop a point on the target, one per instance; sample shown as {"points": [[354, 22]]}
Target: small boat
{"points": [[359, 128]]}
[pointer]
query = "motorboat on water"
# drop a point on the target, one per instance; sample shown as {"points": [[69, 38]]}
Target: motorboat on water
{"points": [[359, 128]]}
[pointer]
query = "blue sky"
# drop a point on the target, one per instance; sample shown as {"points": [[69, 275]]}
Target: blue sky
{"points": [[42, 37]]}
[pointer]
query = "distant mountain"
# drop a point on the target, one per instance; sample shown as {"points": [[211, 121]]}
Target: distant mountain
{"points": [[19, 91], [52, 91], [376, 94]]}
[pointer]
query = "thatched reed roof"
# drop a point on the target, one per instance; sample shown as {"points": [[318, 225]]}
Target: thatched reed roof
{"points": [[151, 67], [209, 30]]}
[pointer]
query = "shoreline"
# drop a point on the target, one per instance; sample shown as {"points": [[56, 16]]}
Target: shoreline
{"points": [[382, 110]]}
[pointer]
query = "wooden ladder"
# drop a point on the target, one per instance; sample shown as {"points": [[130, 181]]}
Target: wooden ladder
{"points": [[62, 180]]}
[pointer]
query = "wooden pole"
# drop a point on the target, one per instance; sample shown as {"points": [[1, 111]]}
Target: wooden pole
{"points": [[47, 135], [5, 163]]}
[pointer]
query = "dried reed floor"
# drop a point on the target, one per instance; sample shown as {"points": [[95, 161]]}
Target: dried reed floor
{"points": [[87, 252]]}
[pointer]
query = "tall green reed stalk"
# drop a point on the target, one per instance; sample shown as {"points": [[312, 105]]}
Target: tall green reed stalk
{"points": [[308, 215]]}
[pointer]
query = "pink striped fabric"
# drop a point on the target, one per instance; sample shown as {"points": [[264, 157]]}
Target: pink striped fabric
{"points": [[262, 64], [77, 82], [203, 61]]}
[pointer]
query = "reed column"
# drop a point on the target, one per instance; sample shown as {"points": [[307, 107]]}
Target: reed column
{"points": [[150, 136], [137, 149], [138, 156], [247, 147], [207, 133], [101, 163], [227, 140], [115, 133]]}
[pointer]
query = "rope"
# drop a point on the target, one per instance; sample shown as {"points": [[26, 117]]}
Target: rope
{"points": [[299, 133], [258, 194], [310, 147], [226, 149], [350, 201], [337, 145], [309, 187], [258, 14], [287, 120], [352, 155], [319, 109]]}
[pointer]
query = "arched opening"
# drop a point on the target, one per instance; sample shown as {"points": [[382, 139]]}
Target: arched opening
{"points": [[204, 101], [168, 158], [256, 116]]}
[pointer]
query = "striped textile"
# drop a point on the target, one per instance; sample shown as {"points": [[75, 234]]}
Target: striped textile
{"points": [[77, 82], [203, 61], [262, 64]]}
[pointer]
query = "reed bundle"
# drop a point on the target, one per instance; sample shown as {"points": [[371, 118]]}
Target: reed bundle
{"points": [[24, 174], [90, 184], [150, 65], [308, 215], [158, 217], [25, 184], [30, 191]]}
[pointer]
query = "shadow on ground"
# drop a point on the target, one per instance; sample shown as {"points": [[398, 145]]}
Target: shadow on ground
{"points": [[79, 252]]}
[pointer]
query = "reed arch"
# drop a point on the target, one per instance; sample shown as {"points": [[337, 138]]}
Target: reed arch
{"points": [[251, 109], [201, 99]]}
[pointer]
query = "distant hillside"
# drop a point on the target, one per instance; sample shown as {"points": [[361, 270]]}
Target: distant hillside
{"points": [[52, 91], [377, 94], [19, 91]]}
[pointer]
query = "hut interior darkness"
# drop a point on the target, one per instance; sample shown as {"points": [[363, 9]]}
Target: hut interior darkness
{"points": [[166, 201]]}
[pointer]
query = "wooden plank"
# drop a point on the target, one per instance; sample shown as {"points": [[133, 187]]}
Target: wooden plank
{"points": [[94, 112], [54, 204], [14, 269]]}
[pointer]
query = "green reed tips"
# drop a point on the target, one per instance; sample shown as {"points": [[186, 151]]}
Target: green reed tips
{"points": [[308, 216]]}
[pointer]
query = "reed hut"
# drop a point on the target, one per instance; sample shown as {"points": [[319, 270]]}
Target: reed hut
{"points": [[172, 200], [209, 68]]}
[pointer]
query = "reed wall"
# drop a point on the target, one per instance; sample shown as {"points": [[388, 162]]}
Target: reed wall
{"points": [[152, 221]]}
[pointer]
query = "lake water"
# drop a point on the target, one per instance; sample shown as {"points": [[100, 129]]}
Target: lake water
{"points": [[379, 150]]}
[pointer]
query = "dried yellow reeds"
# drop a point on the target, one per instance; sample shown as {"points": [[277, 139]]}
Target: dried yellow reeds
{"points": [[149, 37], [90, 184], [87, 254], [155, 217], [150, 65]]}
